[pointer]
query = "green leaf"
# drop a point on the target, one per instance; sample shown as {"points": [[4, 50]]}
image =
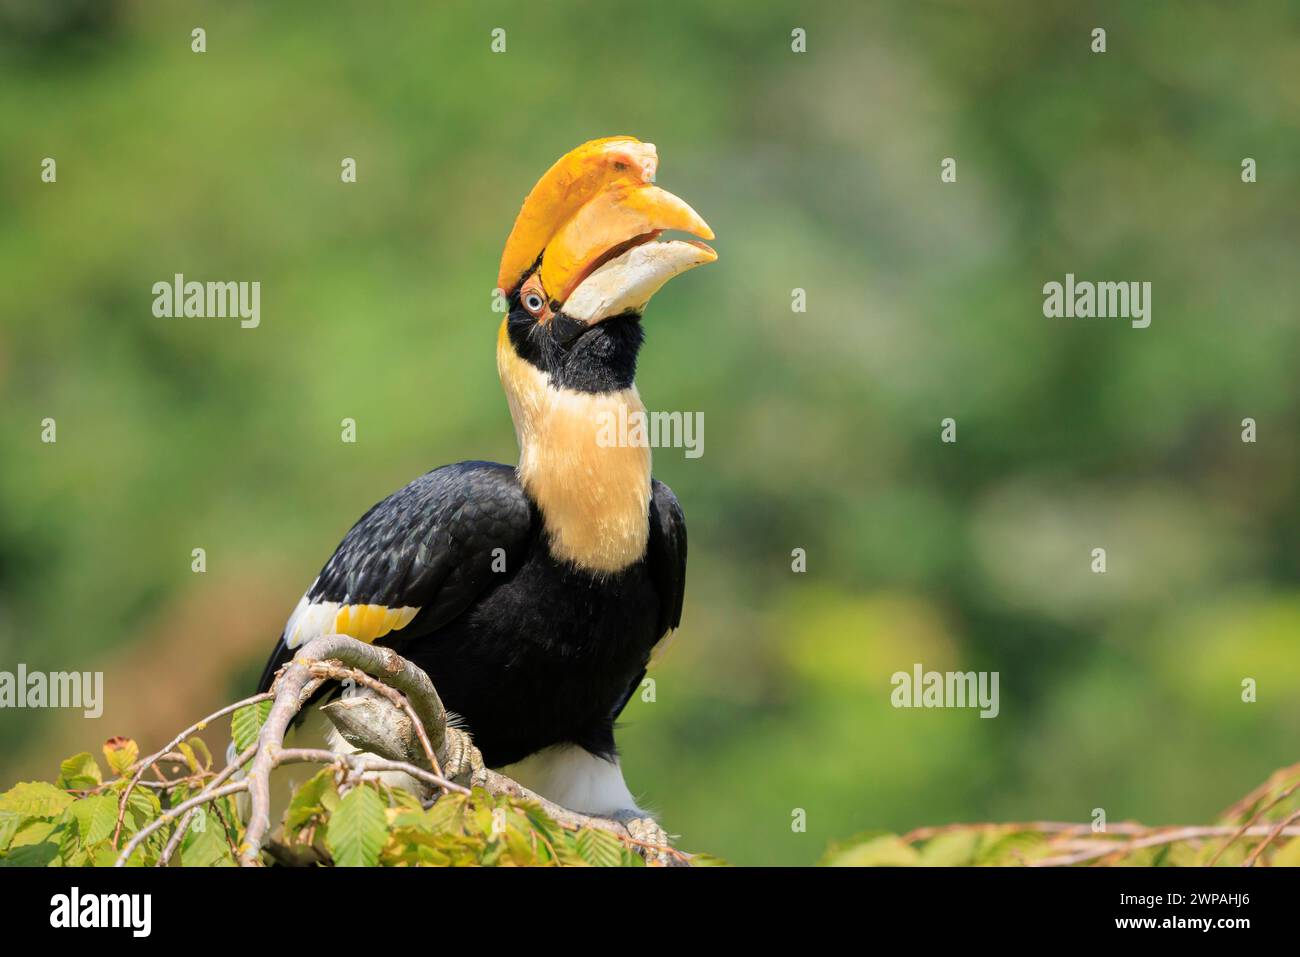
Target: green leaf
{"points": [[35, 799], [523, 852], [71, 853], [95, 817], [492, 854], [1175, 854], [105, 855], [121, 753], [631, 858], [308, 800], [247, 722], [35, 845], [358, 829], [883, 850], [330, 799], [478, 817], [549, 834], [204, 844], [599, 848], [200, 749], [80, 772], [1231, 856], [9, 821], [1004, 847], [1289, 855], [951, 848], [447, 815], [400, 797], [142, 807], [191, 759], [708, 860]]}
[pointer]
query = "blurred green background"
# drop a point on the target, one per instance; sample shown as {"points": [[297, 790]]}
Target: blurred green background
{"points": [[818, 171]]}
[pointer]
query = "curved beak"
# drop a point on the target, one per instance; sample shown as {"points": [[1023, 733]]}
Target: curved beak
{"points": [[592, 221], [625, 283], [612, 221]]}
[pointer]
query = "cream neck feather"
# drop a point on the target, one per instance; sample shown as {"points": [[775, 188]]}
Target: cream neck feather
{"points": [[594, 498]]}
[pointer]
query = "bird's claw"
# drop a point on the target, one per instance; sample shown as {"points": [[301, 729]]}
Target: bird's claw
{"points": [[646, 831]]}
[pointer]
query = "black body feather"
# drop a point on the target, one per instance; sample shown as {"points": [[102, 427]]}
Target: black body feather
{"points": [[529, 651]]}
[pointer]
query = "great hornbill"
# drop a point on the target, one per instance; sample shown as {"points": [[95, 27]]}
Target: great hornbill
{"points": [[534, 595]]}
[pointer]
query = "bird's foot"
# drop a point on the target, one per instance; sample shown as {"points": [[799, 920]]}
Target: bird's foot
{"points": [[462, 761], [653, 842]]}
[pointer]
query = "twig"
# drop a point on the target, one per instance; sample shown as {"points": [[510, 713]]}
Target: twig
{"points": [[1272, 835], [172, 813], [1255, 817], [1243, 805], [1167, 836], [148, 762], [178, 835], [364, 763], [184, 823]]}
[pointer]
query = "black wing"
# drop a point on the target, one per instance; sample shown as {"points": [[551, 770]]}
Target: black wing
{"points": [[428, 550], [666, 560], [666, 554]]}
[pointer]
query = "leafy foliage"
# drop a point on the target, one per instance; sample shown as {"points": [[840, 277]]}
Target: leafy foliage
{"points": [[73, 821], [333, 820]]}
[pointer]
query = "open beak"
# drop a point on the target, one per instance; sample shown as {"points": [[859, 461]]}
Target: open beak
{"points": [[594, 220], [625, 283]]}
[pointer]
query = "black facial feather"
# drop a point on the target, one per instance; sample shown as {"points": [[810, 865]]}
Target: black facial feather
{"points": [[597, 358]]}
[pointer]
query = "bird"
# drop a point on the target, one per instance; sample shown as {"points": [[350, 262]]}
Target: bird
{"points": [[534, 595]]}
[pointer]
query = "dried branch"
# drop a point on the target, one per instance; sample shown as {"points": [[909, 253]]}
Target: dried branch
{"points": [[1154, 838], [1275, 780], [1263, 809], [1273, 835]]}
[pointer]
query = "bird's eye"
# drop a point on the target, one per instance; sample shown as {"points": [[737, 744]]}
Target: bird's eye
{"points": [[534, 303]]}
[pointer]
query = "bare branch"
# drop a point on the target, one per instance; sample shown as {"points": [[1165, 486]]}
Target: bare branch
{"points": [[1272, 836], [1154, 838], [1264, 809], [172, 814], [215, 783], [363, 763], [158, 755]]}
